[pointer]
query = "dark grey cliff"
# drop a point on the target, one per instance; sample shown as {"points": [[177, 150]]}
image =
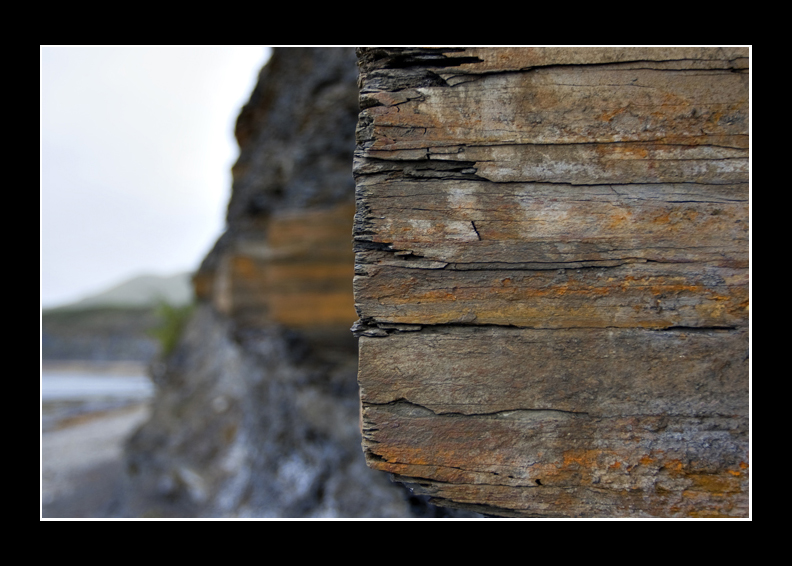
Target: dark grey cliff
{"points": [[257, 408]]}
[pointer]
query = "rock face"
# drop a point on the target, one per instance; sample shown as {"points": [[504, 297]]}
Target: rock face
{"points": [[257, 409], [552, 277]]}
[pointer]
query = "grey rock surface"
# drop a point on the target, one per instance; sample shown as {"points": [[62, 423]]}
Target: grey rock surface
{"points": [[253, 424]]}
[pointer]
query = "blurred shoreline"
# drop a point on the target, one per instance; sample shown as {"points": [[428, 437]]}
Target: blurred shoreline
{"points": [[75, 389], [88, 411], [82, 462], [95, 367]]}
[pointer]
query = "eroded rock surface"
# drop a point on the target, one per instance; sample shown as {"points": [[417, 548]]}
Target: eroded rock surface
{"points": [[552, 277]]}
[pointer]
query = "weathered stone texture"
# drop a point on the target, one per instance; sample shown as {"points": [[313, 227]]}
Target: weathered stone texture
{"points": [[552, 277]]}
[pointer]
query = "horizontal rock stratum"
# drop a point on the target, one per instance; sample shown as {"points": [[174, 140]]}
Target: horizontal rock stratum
{"points": [[552, 277]]}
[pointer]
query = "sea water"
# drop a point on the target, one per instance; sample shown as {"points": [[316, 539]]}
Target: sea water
{"points": [[79, 389], [62, 386]]}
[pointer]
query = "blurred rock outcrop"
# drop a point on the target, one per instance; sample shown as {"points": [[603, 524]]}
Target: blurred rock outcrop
{"points": [[257, 408]]}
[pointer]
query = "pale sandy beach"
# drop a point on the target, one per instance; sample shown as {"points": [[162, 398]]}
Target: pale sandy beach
{"points": [[82, 463], [81, 454]]}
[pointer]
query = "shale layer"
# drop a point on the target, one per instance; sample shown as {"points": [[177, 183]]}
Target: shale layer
{"points": [[551, 277]]}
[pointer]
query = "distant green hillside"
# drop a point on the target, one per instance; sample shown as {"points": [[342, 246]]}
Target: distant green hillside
{"points": [[126, 322], [142, 291], [99, 334]]}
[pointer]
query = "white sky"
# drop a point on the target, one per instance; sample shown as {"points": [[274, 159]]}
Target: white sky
{"points": [[136, 150]]}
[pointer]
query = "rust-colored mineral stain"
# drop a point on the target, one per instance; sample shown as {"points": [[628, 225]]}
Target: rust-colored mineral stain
{"points": [[323, 227], [674, 466], [306, 310], [646, 460], [536, 297], [203, 284], [707, 514], [244, 267], [611, 114], [714, 483]]}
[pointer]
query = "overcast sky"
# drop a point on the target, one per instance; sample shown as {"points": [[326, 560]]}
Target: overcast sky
{"points": [[136, 149]]}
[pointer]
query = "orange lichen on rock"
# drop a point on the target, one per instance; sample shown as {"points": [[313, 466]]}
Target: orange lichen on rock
{"points": [[552, 277]]}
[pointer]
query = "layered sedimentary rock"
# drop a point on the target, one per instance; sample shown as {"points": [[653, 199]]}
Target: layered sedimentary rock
{"points": [[552, 277], [257, 410]]}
